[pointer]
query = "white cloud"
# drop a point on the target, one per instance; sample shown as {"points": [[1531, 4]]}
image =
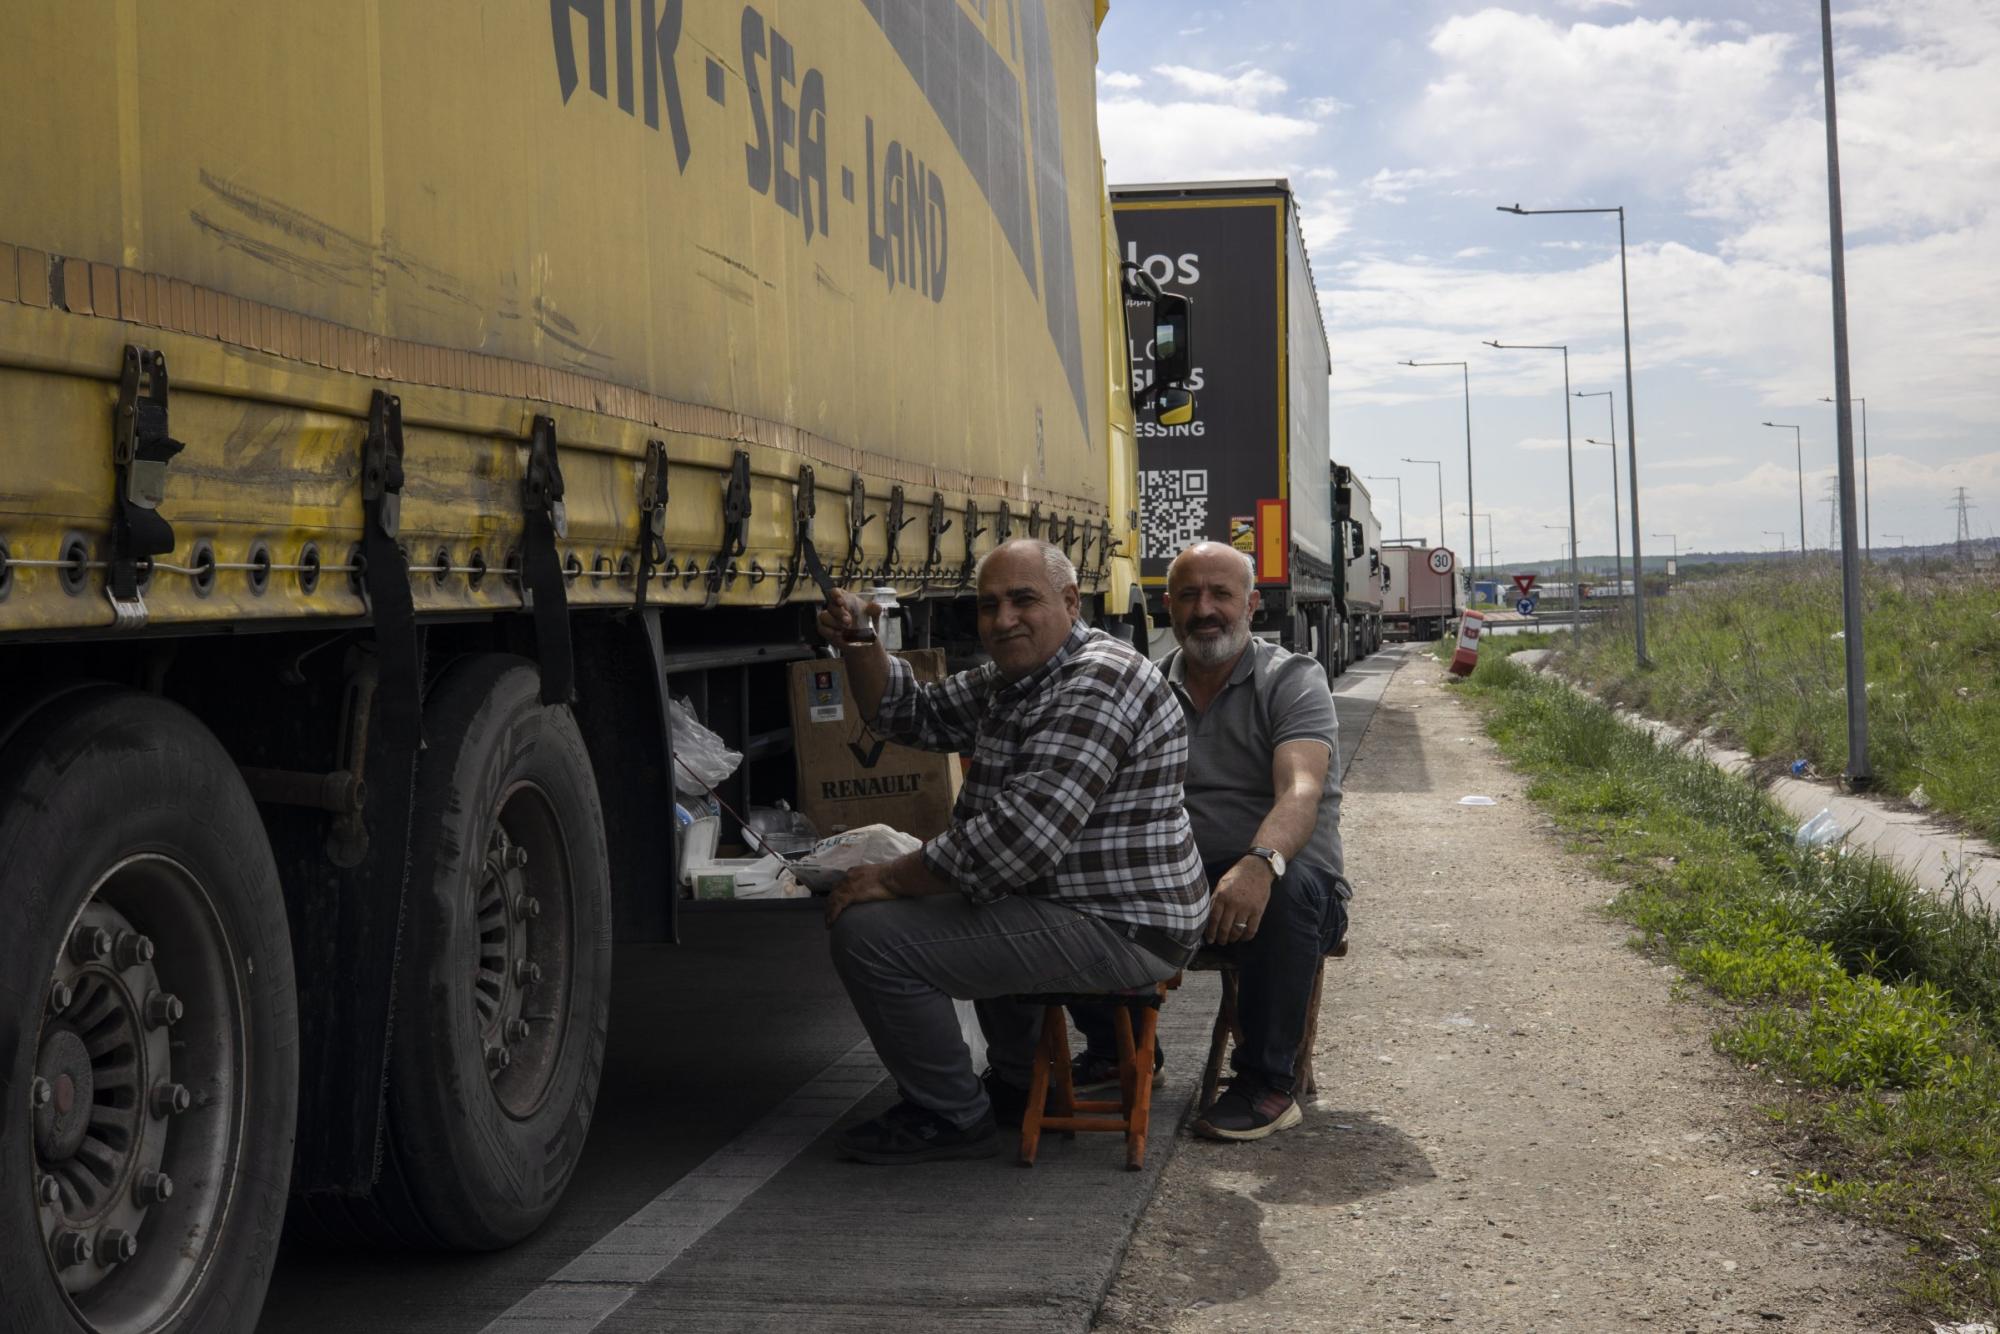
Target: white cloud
{"points": [[1322, 108], [1587, 101], [1217, 131], [1693, 464], [1393, 187], [1146, 140], [1738, 131], [1118, 80], [1245, 88]]}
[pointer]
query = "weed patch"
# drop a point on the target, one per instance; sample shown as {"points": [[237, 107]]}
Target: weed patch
{"points": [[1759, 655], [1877, 1004]]}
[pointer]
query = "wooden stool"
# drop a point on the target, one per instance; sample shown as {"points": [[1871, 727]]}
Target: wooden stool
{"points": [[1228, 1028], [1128, 1115]]}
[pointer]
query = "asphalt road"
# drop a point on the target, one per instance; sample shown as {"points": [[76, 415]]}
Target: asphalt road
{"points": [[709, 1197]]}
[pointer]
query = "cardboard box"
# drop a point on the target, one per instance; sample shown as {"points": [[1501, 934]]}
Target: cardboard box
{"points": [[848, 776]]}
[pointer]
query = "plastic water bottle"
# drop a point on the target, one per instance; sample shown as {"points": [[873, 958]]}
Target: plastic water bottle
{"points": [[890, 627]]}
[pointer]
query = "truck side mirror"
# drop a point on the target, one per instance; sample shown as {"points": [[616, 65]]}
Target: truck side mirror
{"points": [[1173, 348]]}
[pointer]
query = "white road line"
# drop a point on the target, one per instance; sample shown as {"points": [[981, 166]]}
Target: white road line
{"points": [[585, 1292]]}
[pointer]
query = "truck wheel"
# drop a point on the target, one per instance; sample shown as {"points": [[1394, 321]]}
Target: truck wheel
{"points": [[149, 1028], [505, 983]]}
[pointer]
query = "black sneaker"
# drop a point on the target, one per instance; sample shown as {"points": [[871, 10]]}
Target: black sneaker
{"points": [[1248, 1109], [1093, 1073], [1010, 1103], [907, 1133]]}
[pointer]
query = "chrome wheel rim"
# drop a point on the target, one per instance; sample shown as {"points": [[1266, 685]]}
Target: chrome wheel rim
{"points": [[523, 907], [137, 1098]]}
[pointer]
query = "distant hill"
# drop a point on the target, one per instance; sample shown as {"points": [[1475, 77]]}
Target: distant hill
{"points": [[1693, 564]]}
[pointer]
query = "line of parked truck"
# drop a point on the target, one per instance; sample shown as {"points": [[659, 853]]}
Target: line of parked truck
{"points": [[1250, 467]]}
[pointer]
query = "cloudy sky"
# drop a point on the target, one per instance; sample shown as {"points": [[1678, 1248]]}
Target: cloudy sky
{"points": [[1402, 123]]}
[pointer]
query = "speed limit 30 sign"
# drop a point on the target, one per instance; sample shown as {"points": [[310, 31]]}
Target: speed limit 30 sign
{"points": [[1442, 561]]}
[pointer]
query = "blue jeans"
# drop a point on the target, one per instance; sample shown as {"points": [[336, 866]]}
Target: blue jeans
{"points": [[1305, 918]]}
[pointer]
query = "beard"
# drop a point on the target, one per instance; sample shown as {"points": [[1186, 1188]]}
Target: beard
{"points": [[1223, 648]]}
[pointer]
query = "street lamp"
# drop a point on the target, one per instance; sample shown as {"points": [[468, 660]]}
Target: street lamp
{"points": [[1569, 449], [1617, 559], [1675, 539], [1492, 556], [1611, 411], [1374, 477], [1472, 545], [1798, 447], [1772, 532], [1867, 534], [1631, 426], [1575, 609], [1440, 467]]}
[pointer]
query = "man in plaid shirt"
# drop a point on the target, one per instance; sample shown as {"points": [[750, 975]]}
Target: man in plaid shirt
{"points": [[1070, 864]]}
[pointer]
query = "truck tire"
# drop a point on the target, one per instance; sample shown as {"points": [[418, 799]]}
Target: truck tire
{"points": [[504, 986], [149, 1026]]}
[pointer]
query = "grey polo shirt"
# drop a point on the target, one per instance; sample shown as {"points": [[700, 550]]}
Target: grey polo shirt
{"points": [[1272, 697]]}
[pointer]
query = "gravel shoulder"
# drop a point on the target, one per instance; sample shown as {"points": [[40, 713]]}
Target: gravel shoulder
{"points": [[1519, 1127]]}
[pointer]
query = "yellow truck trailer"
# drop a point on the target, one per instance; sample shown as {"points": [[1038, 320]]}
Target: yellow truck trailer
{"points": [[398, 403]]}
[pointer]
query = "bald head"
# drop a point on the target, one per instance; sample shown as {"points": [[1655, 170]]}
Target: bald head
{"points": [[1211, 596], [1028, 601], [1214, 559]]}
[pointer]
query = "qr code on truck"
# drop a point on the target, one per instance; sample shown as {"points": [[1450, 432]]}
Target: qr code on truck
{"points": [[1173, 511]]}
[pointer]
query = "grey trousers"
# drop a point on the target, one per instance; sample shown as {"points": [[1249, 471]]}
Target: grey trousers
{"points": [[904, 962]]}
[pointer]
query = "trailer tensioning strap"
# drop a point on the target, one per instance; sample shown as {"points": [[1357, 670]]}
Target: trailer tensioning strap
{"points": [[652, 519], [386, 575], [140, 452], [543, 521]]}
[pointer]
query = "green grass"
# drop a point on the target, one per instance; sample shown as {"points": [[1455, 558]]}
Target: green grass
{"points": [[1872, 1006], [1756, 655]]}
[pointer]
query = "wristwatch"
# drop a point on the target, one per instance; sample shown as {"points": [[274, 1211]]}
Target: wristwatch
{"points": [[1274, 857]]}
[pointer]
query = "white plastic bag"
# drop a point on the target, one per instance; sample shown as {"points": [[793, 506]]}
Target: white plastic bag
{"points": [[865, 846], [701, 760], [1822, 831]]}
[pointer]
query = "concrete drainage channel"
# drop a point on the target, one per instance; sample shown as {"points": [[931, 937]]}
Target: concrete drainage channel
{"points": [[1934, 857]]}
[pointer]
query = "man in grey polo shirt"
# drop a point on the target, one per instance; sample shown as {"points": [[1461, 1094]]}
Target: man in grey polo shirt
{"points": [[1263, 794]]}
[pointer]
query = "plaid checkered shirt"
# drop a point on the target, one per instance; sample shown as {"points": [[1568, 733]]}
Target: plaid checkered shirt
{"points": [[1074, 793]]}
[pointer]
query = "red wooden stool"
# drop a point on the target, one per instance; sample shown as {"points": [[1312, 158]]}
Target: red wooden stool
{"points": [[1131, 1112], [1228, 1028]]}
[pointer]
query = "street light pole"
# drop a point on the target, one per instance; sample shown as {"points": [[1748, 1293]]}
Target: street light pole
{"points": [[1440, 467], [1859, 772], [1867, 504], [1492, 553], [1617, 561], [1576, 612], [1471, 539], [1631, 426], [1617, 557], [1772, 532], [1569, 450], [1675, 539], [1798, 447], [1373, 477]]}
